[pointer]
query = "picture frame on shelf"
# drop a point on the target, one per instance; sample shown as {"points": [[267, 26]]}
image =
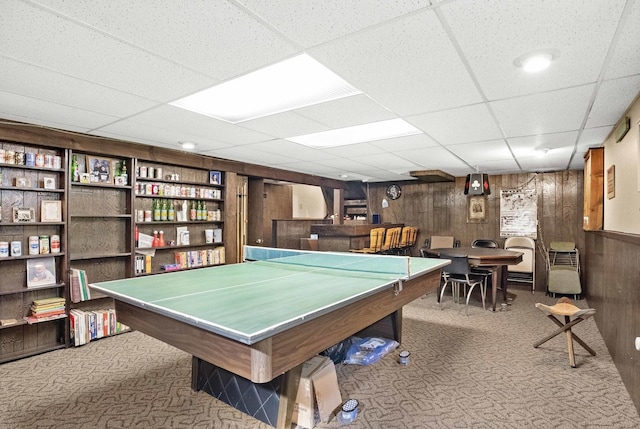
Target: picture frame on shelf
{"points": [[41, 272], [85, 178], [476, 210], [51, 211], [120, 181], [22, 182], [100, 169], [49, 183], [24, 214], [215, 178]]}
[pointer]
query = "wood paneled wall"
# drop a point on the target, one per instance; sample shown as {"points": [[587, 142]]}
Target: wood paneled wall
{"points": [[441, 209], [612, 276]]}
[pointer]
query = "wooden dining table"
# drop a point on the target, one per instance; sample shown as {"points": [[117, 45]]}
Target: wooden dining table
{"points": [[495, 259]]}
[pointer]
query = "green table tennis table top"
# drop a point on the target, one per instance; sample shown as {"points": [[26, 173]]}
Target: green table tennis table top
{"points": [[253, 300]]}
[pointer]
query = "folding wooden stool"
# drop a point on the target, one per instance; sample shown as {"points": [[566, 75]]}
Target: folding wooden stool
{"points": [[565, 308]]}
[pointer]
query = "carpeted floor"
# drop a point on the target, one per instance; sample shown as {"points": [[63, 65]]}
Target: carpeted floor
{"points": [[479, 371]]}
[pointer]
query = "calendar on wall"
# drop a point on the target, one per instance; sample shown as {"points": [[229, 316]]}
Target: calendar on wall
{"points": [[518, 213]]}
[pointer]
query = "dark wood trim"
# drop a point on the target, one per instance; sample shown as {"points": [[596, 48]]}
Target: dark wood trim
{"points": [[619, 236]]}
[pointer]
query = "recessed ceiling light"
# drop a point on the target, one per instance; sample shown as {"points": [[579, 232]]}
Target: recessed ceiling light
{"points": [[357, 134], [533, 62], [297, 82], [187, 145]]}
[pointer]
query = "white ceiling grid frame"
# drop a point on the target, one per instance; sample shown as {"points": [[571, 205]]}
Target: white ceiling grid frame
{"points": [[491, 43], [215, 38], [408, 66]]}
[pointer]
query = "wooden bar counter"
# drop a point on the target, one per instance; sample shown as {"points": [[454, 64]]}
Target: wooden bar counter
{"points": [[341, 238]]}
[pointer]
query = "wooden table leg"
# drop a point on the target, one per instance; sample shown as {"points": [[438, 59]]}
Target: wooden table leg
{"points": [[494, 287], [290, 383], [503, 282]]}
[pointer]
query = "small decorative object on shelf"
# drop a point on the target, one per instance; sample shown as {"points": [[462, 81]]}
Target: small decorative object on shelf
{"points": [[51, 211], [49, 183], [215, 178], [23, 214], [41, 272]]}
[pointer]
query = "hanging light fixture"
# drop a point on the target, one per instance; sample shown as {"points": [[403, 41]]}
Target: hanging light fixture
{"points": [[477, 184]]}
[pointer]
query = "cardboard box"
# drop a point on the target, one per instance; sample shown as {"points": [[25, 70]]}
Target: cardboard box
{"points": [[318, 393]]}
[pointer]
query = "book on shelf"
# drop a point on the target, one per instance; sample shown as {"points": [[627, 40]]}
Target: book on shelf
{"points": [[92, 325], [79, 286]]}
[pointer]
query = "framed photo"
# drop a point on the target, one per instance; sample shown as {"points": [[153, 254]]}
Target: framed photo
{"points": [[51, 211], [49, 183], [100, 169], [611, 182], [41, 272], [85, 178], [215, 178], [22, 182], [24, 214], [120, 181], [476, 210]]}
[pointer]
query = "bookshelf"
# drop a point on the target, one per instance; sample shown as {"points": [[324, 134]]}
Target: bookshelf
{"points": [[185, 207], [100, 224], [33, 249]]}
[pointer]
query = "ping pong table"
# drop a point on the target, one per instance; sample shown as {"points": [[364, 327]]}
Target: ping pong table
{"points": [[261, 319]]}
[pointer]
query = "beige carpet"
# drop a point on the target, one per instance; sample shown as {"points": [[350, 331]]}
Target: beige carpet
{"points": [[479, 371]]}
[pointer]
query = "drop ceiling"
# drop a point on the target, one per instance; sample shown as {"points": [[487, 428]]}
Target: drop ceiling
{"points": [[110, 69]]}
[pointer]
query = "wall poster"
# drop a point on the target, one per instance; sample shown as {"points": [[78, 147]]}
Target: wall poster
{"points": [[518, 213]]}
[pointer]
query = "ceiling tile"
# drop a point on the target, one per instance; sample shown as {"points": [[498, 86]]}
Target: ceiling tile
{"points": [[215, 38], [408, 66], [494, 33], [35, 82], [614, 96], [252, 156], [182, 121], [531, 146], [433, 158], [59, 44], [466, 124], [472, 153], [331, 20], [290, 150], [344, 112], [387, 161], [625, 58], [33, 110], [594, 136], [542, 113]]}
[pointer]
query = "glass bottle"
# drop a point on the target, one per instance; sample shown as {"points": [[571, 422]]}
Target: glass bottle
{"points": [[123, 173], [156, 240], [163, 209], [161, 239], [75, 171], [156, 210], [198, 210], [205, 213], [193, 214], [171, 212]]}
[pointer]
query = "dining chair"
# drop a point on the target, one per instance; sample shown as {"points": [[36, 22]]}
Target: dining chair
{"points": [[486, 273], [438, 242], [407, 239], [525, 271], [457, 274]]}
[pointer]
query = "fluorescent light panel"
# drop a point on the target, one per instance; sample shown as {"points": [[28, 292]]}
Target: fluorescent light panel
{"points": [[297, 82], [357, 134]]}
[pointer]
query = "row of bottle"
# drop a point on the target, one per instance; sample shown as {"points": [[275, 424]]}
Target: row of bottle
{"points": [[165, 210]]}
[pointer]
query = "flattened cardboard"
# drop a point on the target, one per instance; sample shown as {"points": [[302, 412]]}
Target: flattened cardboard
{"points": [[318, 392]]}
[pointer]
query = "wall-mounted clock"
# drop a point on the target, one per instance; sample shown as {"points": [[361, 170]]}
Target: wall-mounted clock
{"points": [[394, 192]]}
